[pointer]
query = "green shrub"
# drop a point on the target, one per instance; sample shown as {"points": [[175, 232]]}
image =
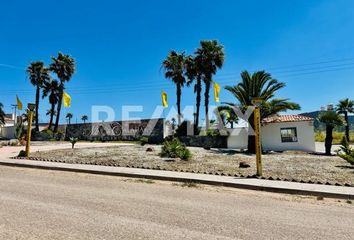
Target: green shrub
{"points": [[173, 148], [337, 137], [73, 141], [143, 141], [346, 152]]}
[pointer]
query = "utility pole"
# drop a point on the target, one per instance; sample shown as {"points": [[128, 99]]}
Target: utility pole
{"points": [[257, 125], [14, 106]]}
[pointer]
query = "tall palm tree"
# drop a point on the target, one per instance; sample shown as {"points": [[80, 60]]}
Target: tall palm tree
{"points": [[64, 67], [194, 74], [175, 68], [209, 57], [332, 120], [38, 74], [277, 105], [346, 106], [259, 85], [51, 114], [84, 118], [69, 116], [2, 114], [52, 89]]}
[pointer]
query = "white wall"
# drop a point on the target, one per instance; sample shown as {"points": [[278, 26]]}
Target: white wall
{"points": [[271, 138], [238, 138], [7, 132]]}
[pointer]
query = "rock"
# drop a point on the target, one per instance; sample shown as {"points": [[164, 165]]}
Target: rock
{"points": [[244, 165], [149, 149]]}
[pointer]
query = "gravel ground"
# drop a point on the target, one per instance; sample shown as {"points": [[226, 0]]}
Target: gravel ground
{"points": [[286, 165]]}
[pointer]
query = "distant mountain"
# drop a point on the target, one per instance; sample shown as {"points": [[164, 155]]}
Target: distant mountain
{"points": [[318, 124]]}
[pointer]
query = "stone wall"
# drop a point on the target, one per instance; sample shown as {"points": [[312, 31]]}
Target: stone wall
{"points": [[153, 129], [205, 141]]}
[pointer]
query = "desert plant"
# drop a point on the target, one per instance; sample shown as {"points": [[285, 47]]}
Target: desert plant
{"points": [[19, 131], [73, 141], [143, 140], [173, 148], [346, 152]]}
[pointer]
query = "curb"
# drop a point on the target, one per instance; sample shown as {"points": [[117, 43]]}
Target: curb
{"points": [[68, 168], [192, 171]]}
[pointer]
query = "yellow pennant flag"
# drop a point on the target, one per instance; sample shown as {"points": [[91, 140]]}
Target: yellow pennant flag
{"points": [[19, 103], [216, 92], [164, 99], [66, 100]]}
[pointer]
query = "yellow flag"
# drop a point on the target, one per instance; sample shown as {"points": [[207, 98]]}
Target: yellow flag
{"points": [[164, 99], [216, 92], [19, 103], [66, 100]]}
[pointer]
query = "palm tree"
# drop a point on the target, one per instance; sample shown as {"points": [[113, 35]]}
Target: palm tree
{"points": [[38, 74], [259, 85], [2, 114], [69, 116], [209, 57], [175, 68], [52, 89], [332, 120], [194, 75], [228, 115], [64, 67], [345, 107], [277, 105], [84, 118]]}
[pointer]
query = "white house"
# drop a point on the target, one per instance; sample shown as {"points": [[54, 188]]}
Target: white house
{"points": [[279, 133], [7, 131], [288, 132]]}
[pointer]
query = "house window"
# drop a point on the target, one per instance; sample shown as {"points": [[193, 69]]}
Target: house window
{"points": [[288, 134]]}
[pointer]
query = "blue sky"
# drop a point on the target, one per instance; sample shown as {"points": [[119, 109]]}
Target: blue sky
{"points": [[119, 47]]}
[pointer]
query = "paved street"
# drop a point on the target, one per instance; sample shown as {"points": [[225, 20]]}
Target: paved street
{"points": [[41, 204]]}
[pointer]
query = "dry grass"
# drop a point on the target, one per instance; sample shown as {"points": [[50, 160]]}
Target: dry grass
{"points": [[287, 165]]}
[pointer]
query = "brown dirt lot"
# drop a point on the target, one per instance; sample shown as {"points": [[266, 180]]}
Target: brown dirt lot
{"points": [[286, 165]]}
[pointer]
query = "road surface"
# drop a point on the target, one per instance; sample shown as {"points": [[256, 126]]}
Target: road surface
{"points": [[41, 204]]}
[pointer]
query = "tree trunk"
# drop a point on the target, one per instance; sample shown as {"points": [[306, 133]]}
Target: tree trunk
{"points": [[51, 116], [59, 108], [198, 100], [37, 106], [179, 93], [251, 138], [206, 103], [347, 126], [329, 139]]}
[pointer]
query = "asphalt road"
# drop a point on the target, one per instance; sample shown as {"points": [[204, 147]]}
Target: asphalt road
{"points": [[41, 204]]}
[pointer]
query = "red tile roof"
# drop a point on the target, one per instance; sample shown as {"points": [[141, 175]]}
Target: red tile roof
{"points": [[286, 118]]}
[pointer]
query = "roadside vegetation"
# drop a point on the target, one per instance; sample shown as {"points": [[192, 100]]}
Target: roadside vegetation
{"points": [[173, 148], [337, 137]]}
